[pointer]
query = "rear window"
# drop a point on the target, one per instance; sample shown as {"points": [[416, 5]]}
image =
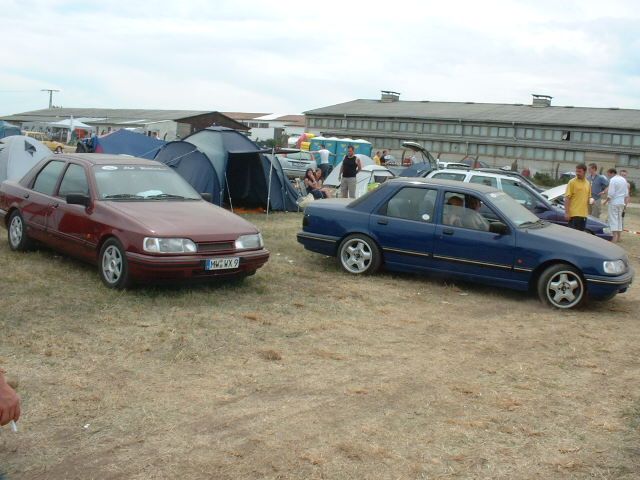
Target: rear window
{"points": [[48, 178], [459, 177], [484, 180]]}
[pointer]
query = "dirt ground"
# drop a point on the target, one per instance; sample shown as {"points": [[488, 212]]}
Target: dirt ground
{"points": [[306, 372]]}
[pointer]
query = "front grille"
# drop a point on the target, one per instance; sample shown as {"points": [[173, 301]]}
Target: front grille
{"points": [[213, 247]]}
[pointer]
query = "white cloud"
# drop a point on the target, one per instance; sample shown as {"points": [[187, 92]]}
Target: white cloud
{"points": [[292, 56]]}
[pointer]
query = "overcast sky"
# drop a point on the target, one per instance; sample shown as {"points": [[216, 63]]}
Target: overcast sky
{"points": [[288, 57]]}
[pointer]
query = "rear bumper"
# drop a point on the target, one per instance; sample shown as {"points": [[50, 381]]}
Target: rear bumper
{"points": [[150, 268], [316, 242]]}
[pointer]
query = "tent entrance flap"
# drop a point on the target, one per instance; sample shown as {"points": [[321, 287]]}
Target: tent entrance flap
{"points": [[246, 183]]}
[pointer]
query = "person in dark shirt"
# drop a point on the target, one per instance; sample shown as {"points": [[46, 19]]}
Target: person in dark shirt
{"points": [[351, 165]]}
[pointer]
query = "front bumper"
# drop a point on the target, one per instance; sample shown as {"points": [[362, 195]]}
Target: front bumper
{"points": [[603, 286], [152, 267]]}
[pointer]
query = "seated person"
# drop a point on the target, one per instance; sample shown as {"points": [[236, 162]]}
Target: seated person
{"points": [[471, 218], [453, 212], [313, 186]]}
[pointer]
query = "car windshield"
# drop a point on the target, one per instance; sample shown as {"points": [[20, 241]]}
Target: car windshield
{"points": [[141, 182], [512, 209]]}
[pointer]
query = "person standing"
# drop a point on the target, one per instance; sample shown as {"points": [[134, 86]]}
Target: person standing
{"points": [[598, 184], [376, 157], [324, 159], [350, 167], [617, 194], [576, 202]]}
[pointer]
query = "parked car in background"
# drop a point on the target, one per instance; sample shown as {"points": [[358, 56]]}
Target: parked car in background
{"points": [[443, 165], [467, 231], [520, 190], [138, 220], [296, 164], [54, 146]]}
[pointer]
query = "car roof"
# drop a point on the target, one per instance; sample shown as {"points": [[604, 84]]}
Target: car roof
{"points": [[443, 183], [105, 159]]}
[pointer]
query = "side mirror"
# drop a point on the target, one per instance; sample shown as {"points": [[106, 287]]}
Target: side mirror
{"points": [[499, 228], [78, 199], [207, 197]]}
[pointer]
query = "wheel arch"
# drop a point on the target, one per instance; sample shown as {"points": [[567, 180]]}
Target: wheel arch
{"points": [[535, 275], [359, 232]]}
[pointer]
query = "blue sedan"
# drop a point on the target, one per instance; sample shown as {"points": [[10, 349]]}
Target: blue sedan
{"points": [[466, 231]]}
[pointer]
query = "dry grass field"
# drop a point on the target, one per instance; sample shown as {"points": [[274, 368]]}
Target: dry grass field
{"points": [[306, 372]]}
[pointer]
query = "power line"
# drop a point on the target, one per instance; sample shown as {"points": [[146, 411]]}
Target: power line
{"points": [[50, 90]]}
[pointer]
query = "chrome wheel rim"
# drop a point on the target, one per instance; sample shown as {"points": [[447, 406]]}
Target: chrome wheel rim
{"points": [[565, 289], [356, 256], [112, 264], [16, 230]]}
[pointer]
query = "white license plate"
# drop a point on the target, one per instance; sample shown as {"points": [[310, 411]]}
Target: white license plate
{"points": [[224, 263]]}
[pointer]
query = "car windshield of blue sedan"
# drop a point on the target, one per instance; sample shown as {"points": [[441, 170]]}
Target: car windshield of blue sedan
{"points": [[512, 209], [141, 182]]}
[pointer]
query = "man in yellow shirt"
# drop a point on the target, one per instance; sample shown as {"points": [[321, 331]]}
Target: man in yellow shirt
{"points": [[576, 201]]}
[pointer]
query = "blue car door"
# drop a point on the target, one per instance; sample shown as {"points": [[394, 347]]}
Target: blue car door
{"points": [[465, 247], [404, 228]]}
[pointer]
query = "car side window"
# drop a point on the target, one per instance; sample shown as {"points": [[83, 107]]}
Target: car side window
{"points": [[74, 181], [465, 211], [411, 203], [459, 177], [519, 193], [48, 178], [484, 180]]}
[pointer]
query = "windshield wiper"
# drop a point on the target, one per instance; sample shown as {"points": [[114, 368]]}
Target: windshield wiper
{"points": [[537, 223], [120, 196], [169, 195]]}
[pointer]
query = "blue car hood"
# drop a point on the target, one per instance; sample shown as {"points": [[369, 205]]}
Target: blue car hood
{"points": [[565, 240]]}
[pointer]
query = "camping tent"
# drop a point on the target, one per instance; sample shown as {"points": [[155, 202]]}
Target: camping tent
{"points": [[18, 154], [128, 143], [7, 129], [69, 123], [232, 168]]}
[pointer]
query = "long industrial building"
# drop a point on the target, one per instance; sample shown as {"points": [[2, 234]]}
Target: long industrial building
{"points": [[539, 136]]}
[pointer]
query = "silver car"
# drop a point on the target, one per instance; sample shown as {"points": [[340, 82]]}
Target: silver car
{"points": [[296, 164]]}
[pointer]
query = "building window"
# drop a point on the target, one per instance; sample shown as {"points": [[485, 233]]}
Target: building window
{"points": [[324, 123], [466, 130], [351, 124], [606, 139], [418, 127], [529, 152], [548, 135], [578, 157], [548, 154], [510, 152], [537, 134], [528, 133], [636, 140], [596, 137], [557, 135], [404, 126], [501, 150], [520, 132], [476, 130], [482, 149], [436, 146], [493, 131], [586, 137], [626, 140], [566, 135], [451, 129], [568, 156], [502, 132], [484, 131], [472, 149], [558, 155]]}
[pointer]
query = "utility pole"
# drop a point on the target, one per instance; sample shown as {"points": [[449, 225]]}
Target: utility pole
{"points": [[50, 90]]}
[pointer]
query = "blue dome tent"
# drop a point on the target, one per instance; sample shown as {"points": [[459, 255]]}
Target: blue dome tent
{"points": [[233, 169]]}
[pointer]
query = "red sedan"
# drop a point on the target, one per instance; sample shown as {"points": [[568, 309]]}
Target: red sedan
{"points": [[136, 219]]}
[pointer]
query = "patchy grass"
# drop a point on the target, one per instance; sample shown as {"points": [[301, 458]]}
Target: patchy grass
{"points": [[304, 371]]}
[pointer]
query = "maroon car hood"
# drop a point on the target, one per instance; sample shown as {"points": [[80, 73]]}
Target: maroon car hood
{"points": [[198, 220]]}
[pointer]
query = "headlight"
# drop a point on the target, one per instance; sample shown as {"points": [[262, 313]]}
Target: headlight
{"points": [[606, 230], [249, 241], [168, 245], [614, 267]]}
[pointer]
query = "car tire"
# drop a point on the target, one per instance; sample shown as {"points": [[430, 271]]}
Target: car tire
{"points": [[359, 255], [561, 286], [17, 233], [113, 265]]}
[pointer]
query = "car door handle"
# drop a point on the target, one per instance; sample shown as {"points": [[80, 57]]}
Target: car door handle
{"points": [[447, 231], [26, 195], [383, 221]]}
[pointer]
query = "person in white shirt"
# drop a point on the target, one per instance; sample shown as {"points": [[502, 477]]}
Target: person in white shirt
{"points": [[324, 160], [617, 194]]}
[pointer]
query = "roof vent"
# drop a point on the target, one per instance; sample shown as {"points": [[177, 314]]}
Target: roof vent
{"points": [[387, 96], [541, 100]]}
